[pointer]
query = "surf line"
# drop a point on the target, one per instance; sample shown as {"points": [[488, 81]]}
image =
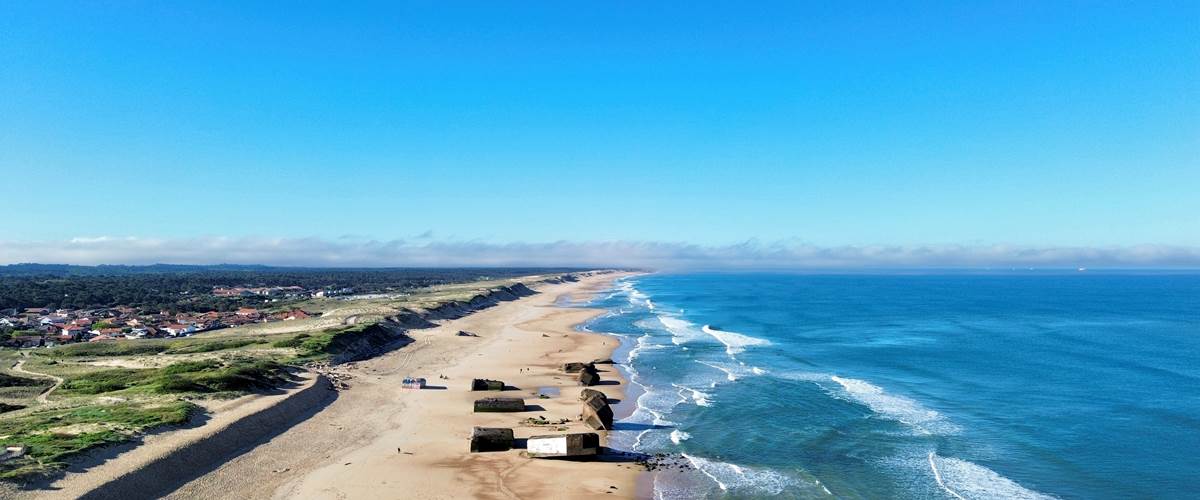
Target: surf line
{"points": [[937, 476]]}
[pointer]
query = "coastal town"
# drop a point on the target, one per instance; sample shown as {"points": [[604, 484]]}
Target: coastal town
{"points": [[32, 327]]}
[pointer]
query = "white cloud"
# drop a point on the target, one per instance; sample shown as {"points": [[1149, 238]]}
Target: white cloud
{"points": [[422, 251]]}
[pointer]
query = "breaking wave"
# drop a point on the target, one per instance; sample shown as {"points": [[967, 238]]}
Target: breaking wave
{"points": [[747, 480], [678, 436], [700, 398], [682, 331], [732, 371], [970, 481], [734, 342], [893, 407]]}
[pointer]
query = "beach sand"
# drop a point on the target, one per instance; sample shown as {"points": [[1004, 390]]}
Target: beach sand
{"points": [[377, 440]]}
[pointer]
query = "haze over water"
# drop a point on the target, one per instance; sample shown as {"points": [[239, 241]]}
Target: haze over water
{"points": [[1064, 385]]}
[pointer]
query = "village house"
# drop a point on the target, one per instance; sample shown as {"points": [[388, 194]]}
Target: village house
{"points": [[75, 331], [26, 341], [178, 330], [291, 315]]}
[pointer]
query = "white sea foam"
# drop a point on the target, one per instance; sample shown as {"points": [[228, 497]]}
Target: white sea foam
{"points": [[729, 476], [651, 406], [733, 371], [678, 436], [804, 376], [682, 331], [893, 407], [970, 481], [700, 398], [635, 296], [641, 344], [735, 343]]}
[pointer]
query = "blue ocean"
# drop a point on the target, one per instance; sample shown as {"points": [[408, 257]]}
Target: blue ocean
{"points": [[956, 386]]}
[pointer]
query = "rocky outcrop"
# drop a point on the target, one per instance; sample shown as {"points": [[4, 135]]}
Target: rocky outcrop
{"points": [[491, 439], [494, 405], [586, 394], [575, 367], [589, 377], [597, 413], [482, 384]]}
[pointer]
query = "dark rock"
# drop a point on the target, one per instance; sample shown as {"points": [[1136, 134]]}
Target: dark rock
{"points": [[486, 405], [576, 367], [491, 439], [589, 377], [591, 393], [597, 414], [605, 361], [482, 384]]}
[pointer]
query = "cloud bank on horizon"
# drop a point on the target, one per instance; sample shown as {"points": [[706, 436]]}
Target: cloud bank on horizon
{"points": [[318, 252]]}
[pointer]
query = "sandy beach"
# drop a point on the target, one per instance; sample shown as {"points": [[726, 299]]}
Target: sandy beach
{"points": [[377, 440]]}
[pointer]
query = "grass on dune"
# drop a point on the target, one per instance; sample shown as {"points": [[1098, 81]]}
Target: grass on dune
{"points": [[126, 348], [55, 434], [203, 376]]}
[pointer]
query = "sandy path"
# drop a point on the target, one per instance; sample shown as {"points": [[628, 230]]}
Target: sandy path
{"points": [[380, 441], [43, 397]]}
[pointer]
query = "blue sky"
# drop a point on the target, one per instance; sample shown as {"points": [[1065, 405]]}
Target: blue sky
{"points": [[1031, 124]]}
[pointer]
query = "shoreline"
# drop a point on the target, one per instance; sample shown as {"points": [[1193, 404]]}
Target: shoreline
{"points": [[644, 486], [374, 439], [378, 440]]}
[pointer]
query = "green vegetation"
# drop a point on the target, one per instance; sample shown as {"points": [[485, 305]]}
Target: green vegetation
{"points": [[291, 342], [189, 288], [210, 346], [236, 375], [335, 340], [55, 434], [190, 345], [139, 348], [7, 380], [113, 390], [13, 387]]}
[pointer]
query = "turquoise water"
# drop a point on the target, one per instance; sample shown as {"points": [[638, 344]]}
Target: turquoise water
{"points": [[957, 386]]}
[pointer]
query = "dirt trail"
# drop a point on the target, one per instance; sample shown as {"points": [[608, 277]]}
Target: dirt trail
{"points": [[42, 398]]}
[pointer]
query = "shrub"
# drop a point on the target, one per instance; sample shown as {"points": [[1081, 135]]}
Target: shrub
{"points": [[48, 450], [291, 342]]}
